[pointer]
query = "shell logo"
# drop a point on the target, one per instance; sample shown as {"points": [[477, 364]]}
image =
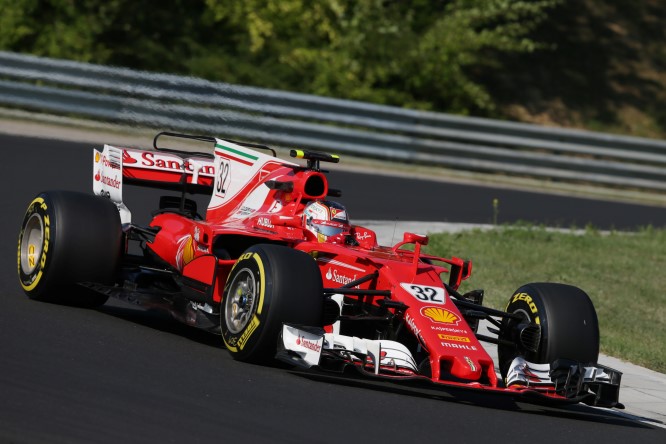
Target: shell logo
{"points": [[97, 157], [188, 252], [185, 253], [440, 315]]}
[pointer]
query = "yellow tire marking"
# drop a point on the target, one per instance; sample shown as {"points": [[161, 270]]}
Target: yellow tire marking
{"points": [[254, 323], [262, 282], [45, 248], [232, 349]]}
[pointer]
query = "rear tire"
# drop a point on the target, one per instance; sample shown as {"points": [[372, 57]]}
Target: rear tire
{"points": [[66, 238], [568, 320], [268, 286]]}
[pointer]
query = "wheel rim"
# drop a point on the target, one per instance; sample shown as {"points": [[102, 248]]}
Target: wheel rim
{"points": [[240, 301], [32, 242]]}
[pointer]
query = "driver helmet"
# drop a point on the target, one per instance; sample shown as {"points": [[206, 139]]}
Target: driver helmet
{"points": [[326, 220]]}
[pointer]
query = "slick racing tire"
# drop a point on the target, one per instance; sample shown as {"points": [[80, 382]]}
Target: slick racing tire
{"points": [[268, 285], [568, 321], [68, 237]]}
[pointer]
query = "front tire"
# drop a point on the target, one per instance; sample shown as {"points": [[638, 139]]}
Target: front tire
{"points": [[269, 285], [568, 321], [66, 238]]}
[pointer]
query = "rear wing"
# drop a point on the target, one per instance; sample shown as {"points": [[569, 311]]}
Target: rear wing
{"points": [[171, 169], [116, 166]]}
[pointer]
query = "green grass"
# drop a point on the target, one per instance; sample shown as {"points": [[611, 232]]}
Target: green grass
{"points": [[624, 274]]}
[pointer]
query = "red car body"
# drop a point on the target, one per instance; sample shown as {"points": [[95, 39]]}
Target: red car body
{"points": [[386, 311]]}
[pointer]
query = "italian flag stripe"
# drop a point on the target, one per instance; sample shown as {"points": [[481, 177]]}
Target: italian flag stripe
{"points": [[237, 152], [234, 158]]}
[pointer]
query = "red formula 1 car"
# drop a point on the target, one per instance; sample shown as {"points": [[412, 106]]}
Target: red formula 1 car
{"points": [[277, 269]]}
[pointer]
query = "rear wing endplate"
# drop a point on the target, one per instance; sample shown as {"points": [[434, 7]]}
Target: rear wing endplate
{"points": [[116, 166]]}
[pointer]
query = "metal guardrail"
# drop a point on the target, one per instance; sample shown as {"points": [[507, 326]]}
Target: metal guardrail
{"points": [[343, 126]]}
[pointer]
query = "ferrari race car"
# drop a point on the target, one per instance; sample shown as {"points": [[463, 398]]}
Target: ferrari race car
{"points": [[276, 268]]}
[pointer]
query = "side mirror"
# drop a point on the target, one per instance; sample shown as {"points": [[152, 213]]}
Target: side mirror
{"points": [[413, 238]]}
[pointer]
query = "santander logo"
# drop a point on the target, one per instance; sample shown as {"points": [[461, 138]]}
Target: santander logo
{"points": [[127, 159], [334, 275], [305, 343]]}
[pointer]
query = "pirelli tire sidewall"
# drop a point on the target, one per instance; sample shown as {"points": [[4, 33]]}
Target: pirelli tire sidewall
{"points": [[289, 291], [33, 280], [242, 342], [568, 321], [81, 242]]}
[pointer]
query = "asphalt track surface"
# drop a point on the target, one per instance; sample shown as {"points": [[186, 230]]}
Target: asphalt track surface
{"points": [[119, 374]]}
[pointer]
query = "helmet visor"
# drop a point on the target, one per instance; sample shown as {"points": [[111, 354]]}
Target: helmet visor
{"points": [[329, 228]]}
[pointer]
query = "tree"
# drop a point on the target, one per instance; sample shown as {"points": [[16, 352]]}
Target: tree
{"points": [[418, 54], [151, 34], [422, 54]]}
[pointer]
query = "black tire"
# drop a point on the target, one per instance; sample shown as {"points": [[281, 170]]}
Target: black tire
{"points": [[68, 237], [251, 315], [568, 320]]}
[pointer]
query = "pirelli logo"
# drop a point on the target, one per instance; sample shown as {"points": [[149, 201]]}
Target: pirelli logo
{"points": [[254, 323], [453, 338]]}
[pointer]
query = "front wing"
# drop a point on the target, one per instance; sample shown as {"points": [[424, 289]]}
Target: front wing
{"points": [[559, 383]]}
